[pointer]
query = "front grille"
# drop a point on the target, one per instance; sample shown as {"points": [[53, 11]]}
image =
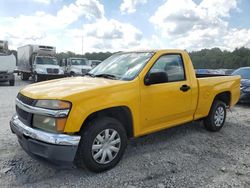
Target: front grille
{"points": [[25, 99], [54, 71], [21, 113], [24, 116]]}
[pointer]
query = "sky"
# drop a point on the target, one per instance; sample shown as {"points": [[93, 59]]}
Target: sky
{"points": [[84, 26]]}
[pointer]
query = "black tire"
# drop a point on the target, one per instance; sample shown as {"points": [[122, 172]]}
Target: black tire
{"points": [[72, 74], [84, 156], [214, 122], [36, 78], [12, 82], [25, 76]]}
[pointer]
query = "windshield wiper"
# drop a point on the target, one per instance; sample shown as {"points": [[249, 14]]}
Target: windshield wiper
{"points": [[110, 76]]}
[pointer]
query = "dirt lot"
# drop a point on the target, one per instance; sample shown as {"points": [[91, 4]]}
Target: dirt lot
{"points": [[185, 156]]}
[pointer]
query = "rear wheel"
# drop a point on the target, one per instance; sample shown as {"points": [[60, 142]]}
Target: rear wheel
{"points": [[102, 145], [12, 82], [25, 76], [216, 117]]}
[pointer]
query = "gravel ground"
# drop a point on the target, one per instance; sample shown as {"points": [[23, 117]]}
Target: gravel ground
{"points": [[184, 156]]}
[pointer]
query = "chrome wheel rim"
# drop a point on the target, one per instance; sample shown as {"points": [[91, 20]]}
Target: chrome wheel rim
{"points": [[106, 146], [219, 116]]}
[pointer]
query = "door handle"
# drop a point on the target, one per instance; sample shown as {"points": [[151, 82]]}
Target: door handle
{"points": [[185, 88]]}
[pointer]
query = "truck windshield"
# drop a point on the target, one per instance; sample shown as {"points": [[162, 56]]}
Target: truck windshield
{"points": [[46, 61], [79, 62], [124, 66]]}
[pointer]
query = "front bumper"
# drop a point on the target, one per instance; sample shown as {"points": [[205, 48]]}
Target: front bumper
{"points": [[50, 76], [56, 148]]}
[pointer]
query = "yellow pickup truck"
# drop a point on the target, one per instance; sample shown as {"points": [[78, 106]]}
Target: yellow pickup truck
{"points": [[87, 120]]}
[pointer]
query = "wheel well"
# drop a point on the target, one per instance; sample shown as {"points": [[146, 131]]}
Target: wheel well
{"points": [[225, 97], [121, 113]]}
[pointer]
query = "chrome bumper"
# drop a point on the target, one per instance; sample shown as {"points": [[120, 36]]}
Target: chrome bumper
{"points": [[50, 138]]}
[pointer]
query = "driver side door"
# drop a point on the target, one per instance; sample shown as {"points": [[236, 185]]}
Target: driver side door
{"points": [[166, 104]]}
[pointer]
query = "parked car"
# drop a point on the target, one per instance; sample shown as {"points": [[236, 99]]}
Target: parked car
{"points": [[87, 120], [244, 72], [94, 63]]}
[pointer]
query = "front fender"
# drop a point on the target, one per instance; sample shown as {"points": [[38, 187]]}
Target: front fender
{"points": [[86, 104]]}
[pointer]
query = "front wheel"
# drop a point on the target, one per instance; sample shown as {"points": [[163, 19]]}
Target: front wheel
{"points": [[72, 74], [102, 145], [216, 117], [37, 78]]}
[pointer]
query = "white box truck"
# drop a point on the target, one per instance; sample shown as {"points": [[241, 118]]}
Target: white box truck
{"points": [[39, 62], [7, 64]]}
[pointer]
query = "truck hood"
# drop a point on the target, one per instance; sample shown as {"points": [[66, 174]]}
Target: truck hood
{"points": [[62, 88]]}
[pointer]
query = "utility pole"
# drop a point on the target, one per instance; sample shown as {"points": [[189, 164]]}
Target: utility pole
{"points": [[82, 44], [82, 34]]}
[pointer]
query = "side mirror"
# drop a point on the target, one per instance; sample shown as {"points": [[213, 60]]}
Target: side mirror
{"points": [[155, 78]]}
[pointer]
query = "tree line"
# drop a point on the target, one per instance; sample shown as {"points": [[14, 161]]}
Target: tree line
{"points": [[214, 58]]}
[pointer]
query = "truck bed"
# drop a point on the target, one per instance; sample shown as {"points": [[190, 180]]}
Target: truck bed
{"points": [[211, 84]]}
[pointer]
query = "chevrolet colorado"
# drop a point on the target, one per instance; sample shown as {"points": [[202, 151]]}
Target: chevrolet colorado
{"points": [[87, 120]]}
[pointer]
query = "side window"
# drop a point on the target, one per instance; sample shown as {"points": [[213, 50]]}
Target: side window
{"points": [[172, 64]]}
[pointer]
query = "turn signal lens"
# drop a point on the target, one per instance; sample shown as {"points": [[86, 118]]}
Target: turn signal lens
{"points": [[60, 124]]}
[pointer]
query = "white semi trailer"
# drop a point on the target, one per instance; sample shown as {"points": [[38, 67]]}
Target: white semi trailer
{"points": [[7, 64], [39, 62]]}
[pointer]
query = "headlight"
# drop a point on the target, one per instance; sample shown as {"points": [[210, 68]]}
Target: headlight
{"points": [[61, 71], [49, 124], [41, 71], [53, 104]]}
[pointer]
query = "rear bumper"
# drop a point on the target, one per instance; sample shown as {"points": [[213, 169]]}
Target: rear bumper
{"points": [[55, 148], [6, 77]]}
